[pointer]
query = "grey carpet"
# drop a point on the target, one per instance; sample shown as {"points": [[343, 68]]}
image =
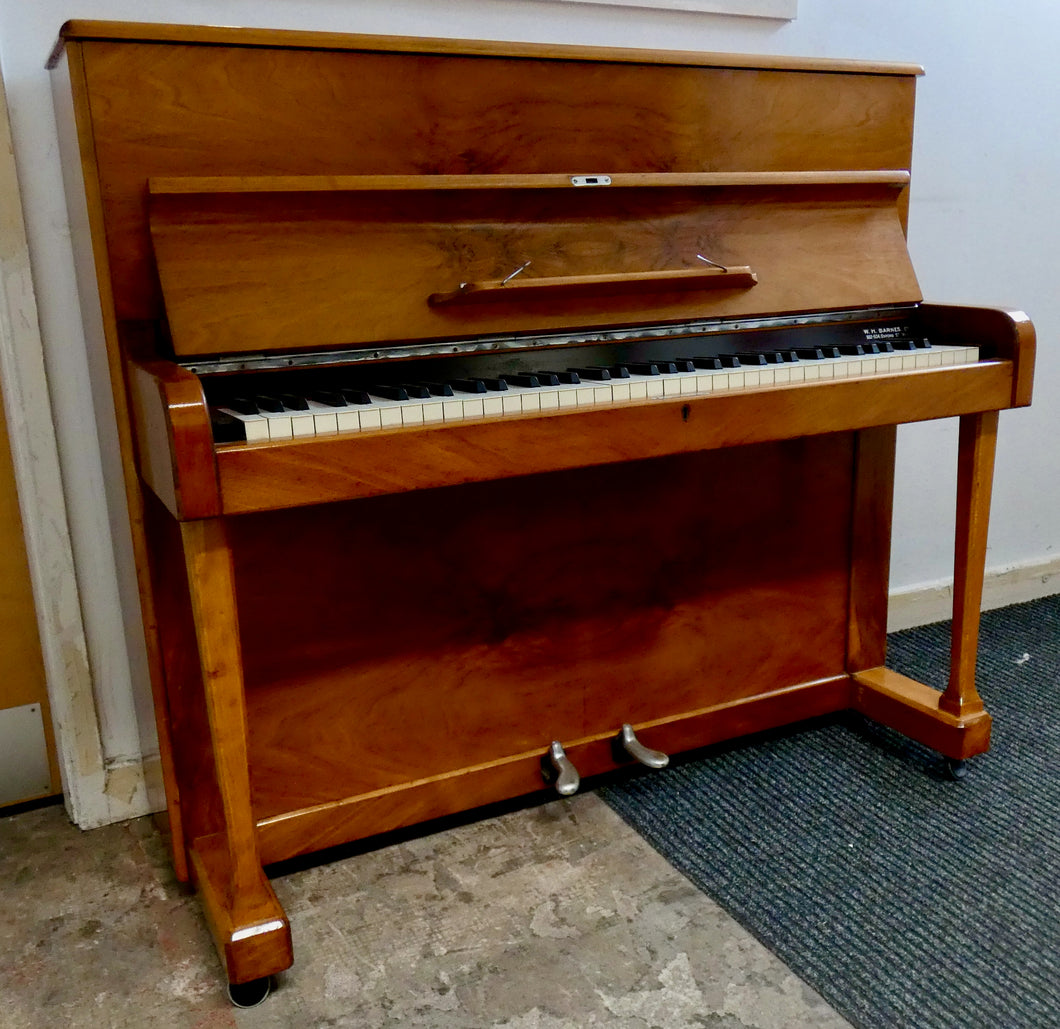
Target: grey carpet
{"points": [[905, 899]]}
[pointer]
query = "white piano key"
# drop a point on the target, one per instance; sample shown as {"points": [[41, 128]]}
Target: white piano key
{"points": [[530, 397], [348, 419], [369, 417], [548, 398], [452, 409], [324, 419], [255, 426], [280, 426], [321, 419]]}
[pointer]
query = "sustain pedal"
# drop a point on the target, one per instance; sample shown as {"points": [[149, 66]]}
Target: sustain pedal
{"points": [[628, 746]]}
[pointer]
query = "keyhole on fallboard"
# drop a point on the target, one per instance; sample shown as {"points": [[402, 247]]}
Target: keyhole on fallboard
{"points": [[686, 410]]}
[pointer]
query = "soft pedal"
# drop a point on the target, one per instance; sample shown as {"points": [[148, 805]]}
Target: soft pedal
{"points": [[558, 770]]}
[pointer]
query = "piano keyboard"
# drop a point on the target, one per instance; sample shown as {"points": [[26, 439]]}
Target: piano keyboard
{"points": [[262, 417]]}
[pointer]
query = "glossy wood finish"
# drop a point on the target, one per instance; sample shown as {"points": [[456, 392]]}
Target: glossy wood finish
{"points": [[370, 630], [360, 268], [350, 818], [248, 924], [914, 710], [160, 32], [401, 112], [556, 288], [997, 332], [975, 475], [870, 547], [174, 440], [189, 184]]}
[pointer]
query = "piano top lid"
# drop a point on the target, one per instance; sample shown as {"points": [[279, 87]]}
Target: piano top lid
{"points": [[149, 32]]}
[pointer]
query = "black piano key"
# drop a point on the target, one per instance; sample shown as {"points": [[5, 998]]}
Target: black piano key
{"points": [[729, 361], [519, 379], [594, 373], [773, 357], [683, 364], [226, 428], [788, 356], [752, 360], [884, 347], [355, 396], [389, 392], [832, 352], [852, 349], [643, 368], [243, 405], [495, 385], [271, 404], [708, 363], [618, 371], [922, 344], [666, 367], [468, 385], [557, 378], [416, 391], [293, 403], [810, 353], [437, 389], [328, 397]]}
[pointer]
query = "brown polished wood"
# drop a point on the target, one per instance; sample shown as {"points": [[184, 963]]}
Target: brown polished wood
{"points": [[356, 632], [975, 475], [221, 258]]}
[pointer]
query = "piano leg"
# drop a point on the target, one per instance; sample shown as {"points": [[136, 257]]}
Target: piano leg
{"points": [[953, 722], [249, 926], [975, 474]]}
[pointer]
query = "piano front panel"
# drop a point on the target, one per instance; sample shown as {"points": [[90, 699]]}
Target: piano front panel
{"points": [[184, 110], [406, 637]]}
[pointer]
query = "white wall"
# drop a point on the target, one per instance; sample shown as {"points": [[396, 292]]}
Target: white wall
{"points": [[984, 228]]}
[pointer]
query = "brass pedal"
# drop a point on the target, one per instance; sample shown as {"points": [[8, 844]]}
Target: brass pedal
{"points": [[556, 768], [626, 745]]}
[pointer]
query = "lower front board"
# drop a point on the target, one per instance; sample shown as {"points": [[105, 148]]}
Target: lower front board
{"points": [[394, 639]]}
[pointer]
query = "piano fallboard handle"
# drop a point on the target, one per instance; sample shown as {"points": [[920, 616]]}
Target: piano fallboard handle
{"points": [[574, 286]]}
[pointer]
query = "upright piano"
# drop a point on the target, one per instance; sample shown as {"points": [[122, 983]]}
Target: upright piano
{"points": [[496, 415]]}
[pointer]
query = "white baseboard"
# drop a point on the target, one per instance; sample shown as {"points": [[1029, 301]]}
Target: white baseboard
{"points": [[933, 601]]}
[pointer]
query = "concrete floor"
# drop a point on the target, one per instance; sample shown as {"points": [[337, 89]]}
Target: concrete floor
{"points": [[552, 917]]}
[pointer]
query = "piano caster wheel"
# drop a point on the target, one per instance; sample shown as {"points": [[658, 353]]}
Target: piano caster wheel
{"points": [[955, 769], [626, 745], [251, 994], [557, 769]]}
